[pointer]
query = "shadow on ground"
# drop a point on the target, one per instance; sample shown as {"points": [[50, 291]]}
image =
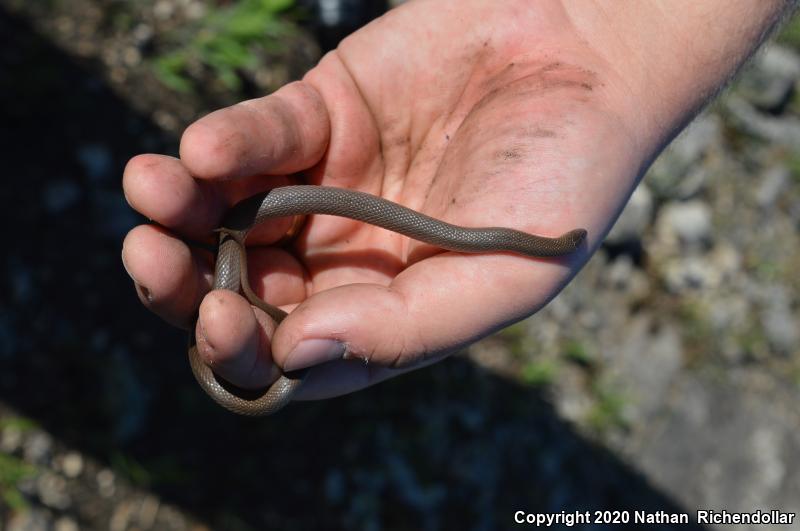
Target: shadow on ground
{"points": [[449, 447]]}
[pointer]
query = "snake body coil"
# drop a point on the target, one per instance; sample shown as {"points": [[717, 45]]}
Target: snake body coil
{"points": [[231, 266]]}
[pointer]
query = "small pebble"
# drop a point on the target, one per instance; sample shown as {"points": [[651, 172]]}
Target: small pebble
{"points": [[131, 56], [106, 483], [11, 439], [142, 33], [65, 523], [52, 491], [148, 512], [635, 218], [773, 184], [38, 448], [72, 464], [121, 516], [163, 9], [689, 222], [29, 520]]}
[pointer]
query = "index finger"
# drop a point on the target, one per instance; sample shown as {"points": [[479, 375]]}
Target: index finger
{"points": [[282, 133]]}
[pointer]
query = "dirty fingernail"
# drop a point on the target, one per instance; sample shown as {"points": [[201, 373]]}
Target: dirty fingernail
{"points": [[313, 352], [144, 293]]}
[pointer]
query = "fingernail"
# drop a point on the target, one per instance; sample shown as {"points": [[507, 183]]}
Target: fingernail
{"points": [[204, 346], [313, 352], [125, 264], [143, 292]]}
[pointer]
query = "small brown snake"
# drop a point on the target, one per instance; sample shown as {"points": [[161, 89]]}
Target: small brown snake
{"points": [[231, 265]]}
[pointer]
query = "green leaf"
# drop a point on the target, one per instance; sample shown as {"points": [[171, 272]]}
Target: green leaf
{"points": [[539, 373], [276, 6], [169, 70]]}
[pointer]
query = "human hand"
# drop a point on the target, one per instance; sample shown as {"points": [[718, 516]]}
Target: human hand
{"points": [[477, 113]]}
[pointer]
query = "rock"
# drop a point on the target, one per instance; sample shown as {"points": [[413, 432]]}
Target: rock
{"points": [[65, 523], [726, 261], [725, 313], [783, 131], [171, 518], [708, 272], [737, 456], [72, 464], [645, 364], [767, 446], [619, 272], [779, 60], [626, 278], [695, 141], [669, 172], [687, 223], [52, 491], [106, 483], [692, 183], [27, 486], [163, 9], [148, 512], [195, 10], [11, 439], [769, 82], [780, 325], [121, 516], [38, 448], [166, 120], [131, 56], [31, 520], [690, 273], [773, 183], [634, 220], [142, 34]]}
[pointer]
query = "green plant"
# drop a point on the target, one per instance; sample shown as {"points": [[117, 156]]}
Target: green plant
{"points": [[22, 424], [225, 41], [12, 471], [793, 160], [576, 352], [790, 34], [696, 329], [539, 373], [607, 411], [517, 340]]}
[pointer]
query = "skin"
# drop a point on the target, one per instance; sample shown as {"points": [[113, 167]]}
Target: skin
{"points": [[540, 116]]}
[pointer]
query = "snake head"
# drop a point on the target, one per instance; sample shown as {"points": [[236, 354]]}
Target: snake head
{"points": [[576, 237]]}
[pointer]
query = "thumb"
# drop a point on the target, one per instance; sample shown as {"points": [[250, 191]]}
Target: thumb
{"points": [[365, 333]]}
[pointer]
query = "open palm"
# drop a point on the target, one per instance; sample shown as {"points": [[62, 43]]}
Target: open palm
{"points": [[480, 114]]}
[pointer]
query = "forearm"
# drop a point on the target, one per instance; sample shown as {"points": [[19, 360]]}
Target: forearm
{"points": [[673, 55]]}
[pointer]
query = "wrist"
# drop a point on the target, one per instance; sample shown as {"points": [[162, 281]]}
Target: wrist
{"points": [[670, 58]]}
